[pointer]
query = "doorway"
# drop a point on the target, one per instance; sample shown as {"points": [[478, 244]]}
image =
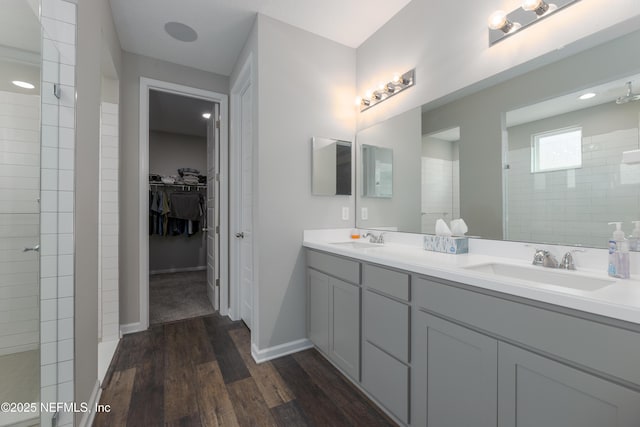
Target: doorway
{"points": [[182, 183]]}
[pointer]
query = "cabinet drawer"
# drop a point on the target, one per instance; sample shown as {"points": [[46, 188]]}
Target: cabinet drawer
{"points": [[390, 282], [335, 266], [386, 324], [594, 345], [387, 380]]}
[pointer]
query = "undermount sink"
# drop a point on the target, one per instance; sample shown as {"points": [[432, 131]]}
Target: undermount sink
{"points": [[358, 245], [565, 279]]}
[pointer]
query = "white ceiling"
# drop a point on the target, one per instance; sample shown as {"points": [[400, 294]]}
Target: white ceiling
{"points": [[178, 114], [606, 92], [19, 26], [224, 25]]}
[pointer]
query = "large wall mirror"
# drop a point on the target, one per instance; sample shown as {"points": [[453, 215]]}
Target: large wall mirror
{"points": [[536, 158]]}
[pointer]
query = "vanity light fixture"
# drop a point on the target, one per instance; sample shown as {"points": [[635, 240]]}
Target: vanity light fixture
{"points": [[24, 85], [502, 24], [398, 83], [206, 115]]}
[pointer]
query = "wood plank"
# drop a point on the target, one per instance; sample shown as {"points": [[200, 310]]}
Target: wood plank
{"points": [[118, 396], [248, 404], [356, 407], [318, 407], [213, 400], [147, 403], [229, 360], [269, 382], [180, 403], [290, 415]]}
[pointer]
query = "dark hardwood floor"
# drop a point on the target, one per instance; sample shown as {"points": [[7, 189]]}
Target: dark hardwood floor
{"points": [[199, 372]]}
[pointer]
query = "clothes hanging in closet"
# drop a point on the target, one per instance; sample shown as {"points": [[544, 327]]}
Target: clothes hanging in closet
{"points": [[173, 213]]}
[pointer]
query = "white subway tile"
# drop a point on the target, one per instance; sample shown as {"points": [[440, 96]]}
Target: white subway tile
{"points": [[65, 371], [48, 266], [65, 308], [66, 160], [48, 310], [49, 179], [67, 138], [59, 31], [65, 286], [48, 375], [48, 201], [65, 329], [65, 201], [66, 180], [65, 350], [48, 287], [48, 330], [48, 354], [59, 10], [67, 117], [65, 265], [65, 223]]}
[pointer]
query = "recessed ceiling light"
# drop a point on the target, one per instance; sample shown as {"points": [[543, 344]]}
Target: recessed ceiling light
{"points": [[587, 96], [180, 31], [206, 115], [24, 85]]}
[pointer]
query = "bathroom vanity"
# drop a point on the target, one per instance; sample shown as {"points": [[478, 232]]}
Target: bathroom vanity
{"points": [[438, 340]]}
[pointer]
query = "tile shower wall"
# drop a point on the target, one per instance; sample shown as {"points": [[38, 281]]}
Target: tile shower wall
{"points": [[19, 211], [440, 182], [109, 320], [571, 206], [58, 19]]}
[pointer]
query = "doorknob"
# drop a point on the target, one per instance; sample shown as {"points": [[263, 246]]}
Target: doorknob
{"points": [[240, 235], [36, 248], [204, 230]]}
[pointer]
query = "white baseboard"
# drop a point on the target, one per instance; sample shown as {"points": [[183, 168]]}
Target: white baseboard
{"points": [[106, 351], [270, 353], [87, 417], [131, 328], [178, 270]]}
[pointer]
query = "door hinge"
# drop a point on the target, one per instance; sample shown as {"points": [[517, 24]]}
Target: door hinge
{"points": [[217, 124], [217, 229], [54, 419], [217, 282], [217, 177]]}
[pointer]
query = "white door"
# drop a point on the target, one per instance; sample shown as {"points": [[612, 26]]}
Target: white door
{"points": [[213, 212], [244, 232]]}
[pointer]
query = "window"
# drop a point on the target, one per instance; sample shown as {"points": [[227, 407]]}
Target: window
{"points": [[556, 150]]}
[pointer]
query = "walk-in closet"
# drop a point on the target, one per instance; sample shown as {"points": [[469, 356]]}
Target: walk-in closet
{"points": [[178, 226]]}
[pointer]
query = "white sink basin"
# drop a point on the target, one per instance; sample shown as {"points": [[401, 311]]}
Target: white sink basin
{"points": [[563, 278], [358, 245]]}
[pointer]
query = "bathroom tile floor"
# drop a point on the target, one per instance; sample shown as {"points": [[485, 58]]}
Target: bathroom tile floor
{"points": [[199, 372]]}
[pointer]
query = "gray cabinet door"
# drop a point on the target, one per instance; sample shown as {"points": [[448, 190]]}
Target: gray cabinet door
{"points": [[453, 376], [318, 309], [537, 391], [344, 348]]}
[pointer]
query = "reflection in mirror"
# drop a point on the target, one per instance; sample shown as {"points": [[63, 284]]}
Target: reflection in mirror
{"points": [[440, 181], [20, 124], [331, 167], [400, 211], [520, 176], [565, 179], [377, 171]]}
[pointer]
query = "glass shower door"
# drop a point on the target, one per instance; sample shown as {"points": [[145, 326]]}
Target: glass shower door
{"points": [[20, 208]]}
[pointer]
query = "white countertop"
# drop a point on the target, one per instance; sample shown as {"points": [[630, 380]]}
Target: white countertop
{"points": [[620, 300]]}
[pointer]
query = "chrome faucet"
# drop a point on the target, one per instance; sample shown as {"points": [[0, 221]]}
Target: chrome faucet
{"points": [[545, 258], [373, 238], [567, 262]]}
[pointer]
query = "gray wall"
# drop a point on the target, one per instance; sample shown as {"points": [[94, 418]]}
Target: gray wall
{"points": [[305, 89], [167, 153], [449, 49], [134, 67], [479, 117], [95, 25], [402, 211]]}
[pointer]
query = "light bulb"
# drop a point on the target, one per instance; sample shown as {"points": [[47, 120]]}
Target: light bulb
{"points": [[368, 94], [396, 78], [531, 4], [358, 100], [587, 96], [206, 115], [24, 85], [497, 20]]}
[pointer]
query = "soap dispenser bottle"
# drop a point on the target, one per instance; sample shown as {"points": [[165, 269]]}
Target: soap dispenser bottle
{"points": [[614, 247], [634, 239], [623, 260]]}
